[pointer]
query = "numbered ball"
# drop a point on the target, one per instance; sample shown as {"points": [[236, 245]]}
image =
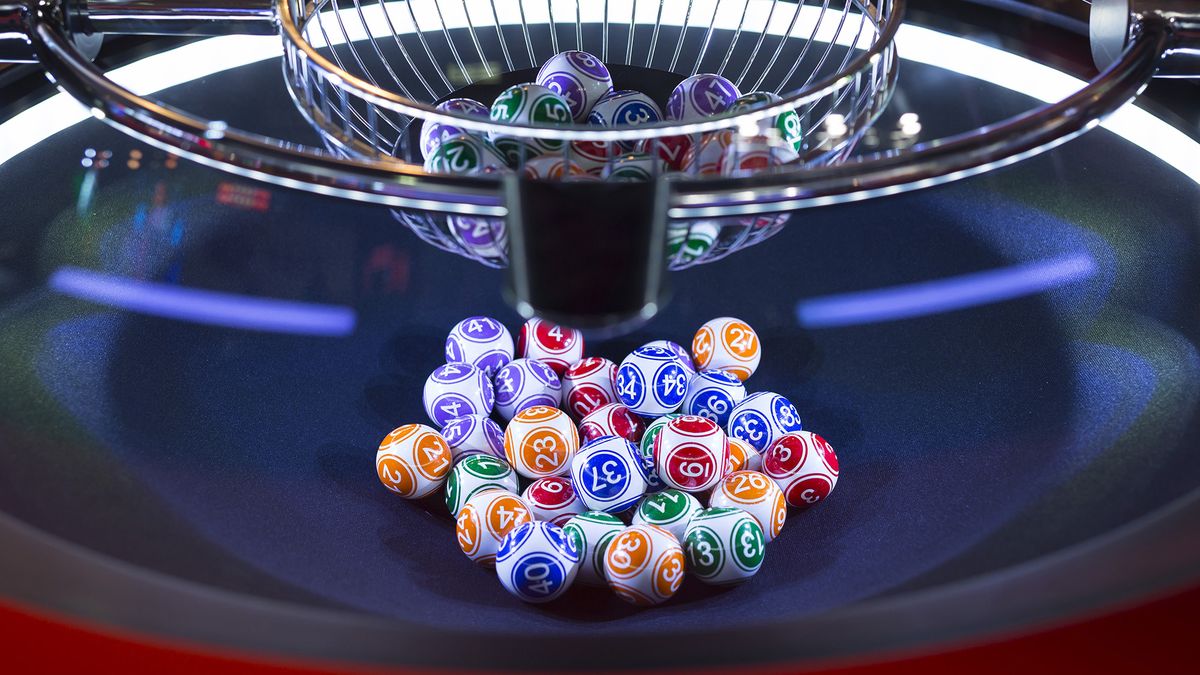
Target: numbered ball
{"points": [[713, 394], [701, 96], [672, 150], [784, 126], [633, 167], [475, 474], [727, 344], [485, 520], [528, 103], [472, 435], [693, 242], [724, 546], [624, 108], [804, 466], [482, 342], [747, 156], [588, 385], [537, 562], [466, 155], [685, 357], [523, 384], [433, 133], [541, 441], [553, 499], [651, 381], [480, 237], [607, 474], [554, 167], [413, 461], [613, 419], [755, 493], [644, 565], [554, 345], [704, 158], [743, 456], [762, 418], [691, 453], [671, 510], [457, 389], [591, 533], [579, 78], [646, 447]]}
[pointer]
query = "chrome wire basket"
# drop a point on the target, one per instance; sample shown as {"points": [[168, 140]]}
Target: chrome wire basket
{"points": [[367, 74]]}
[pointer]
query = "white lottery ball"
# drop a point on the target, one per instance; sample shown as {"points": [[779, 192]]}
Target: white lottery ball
{"points": [[713, 394], [729, 344], [541, 441], [482, 342], [413, 461], [671, 510], [533, 104], [473, 435], [477, 473], [433, 133], [755, 493], [644, 565], [591, 532], [691, 453], [589, 385], [524, 383], [537, 562], [651, 381], [762, 419], [579, 78], [457, 389], [701, 96], [553, 499], [685, 357], [484, 521]]}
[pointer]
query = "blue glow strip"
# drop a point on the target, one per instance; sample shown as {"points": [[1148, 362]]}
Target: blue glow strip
{"points": [[205, 307], [943, 295]]}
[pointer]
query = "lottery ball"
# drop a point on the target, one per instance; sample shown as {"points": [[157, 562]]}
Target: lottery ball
{"points": [[553, 499], [537, 562], [672, 150], [696, 240], [724, 546], [485, 520], [553, 167], [554, 345], [613, 419], [524, 383], [607, 475], [762, 418], [804, 466], [644, 565], [465, 154], [541, 441], [651, 381], [743, 456], [685, 357], [671, 510], [480, 341], [588, 386], [579, 78], [646, 447], [473, 435], [756, 494], [633, 167], [624, 109], [528, 103], [479, 237], [728, 344], [701, 96], [747, 156], [475, 474], [591, 533], [784, 126], [413, 461], [433, 133], [691, 453], [713, 394], [704, 158], [458, 389]]}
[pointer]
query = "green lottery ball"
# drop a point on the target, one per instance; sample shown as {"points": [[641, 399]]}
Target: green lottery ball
{"points": [[646, 449], [465, 154], [672, 510], [527, 103], [784, 126], [724, 546], [476, 473], [591, 531], [699, 240]]}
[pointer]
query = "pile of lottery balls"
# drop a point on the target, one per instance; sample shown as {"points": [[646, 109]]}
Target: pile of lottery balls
{"points": [[617, 461], [576, 87]]}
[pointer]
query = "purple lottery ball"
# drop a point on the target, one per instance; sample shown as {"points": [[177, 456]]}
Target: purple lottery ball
{"points": [[579, 77], [701, 96], [433, 133], [525, 383], [474, 435], [483, 237], [457, 389], [480, 341]]}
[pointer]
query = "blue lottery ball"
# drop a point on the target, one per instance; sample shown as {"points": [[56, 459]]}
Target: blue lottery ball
{"points": [[608, 474], [537, 561], [762, 418], [652, 381], [713, 394]]}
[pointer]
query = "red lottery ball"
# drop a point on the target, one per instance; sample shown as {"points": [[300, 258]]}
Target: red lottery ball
{"points": [[553, 499], [613, 419], [804, 466], [691, 453], [556, 346], [588, 386]]}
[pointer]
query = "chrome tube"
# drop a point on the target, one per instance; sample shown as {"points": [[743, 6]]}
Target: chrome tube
{"points": [[176, 17], [1114, 23]]}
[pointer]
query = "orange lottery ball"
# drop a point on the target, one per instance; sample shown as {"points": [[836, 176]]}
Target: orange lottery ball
{"points": [[483, 522], [413, 461], [728, 344], [541, 441], [756, 494], [644, 565]]}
